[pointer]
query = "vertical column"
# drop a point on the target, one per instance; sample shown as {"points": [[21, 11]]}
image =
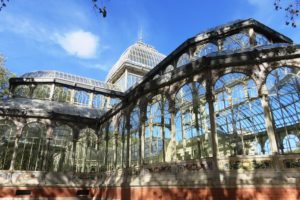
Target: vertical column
{"points": [[108, 104], [116, 148], [163, 134], [72, 96], [52, 91], [16, 145], [31, 89], [45, 165], [127, 126], [74, 155], [220, 44], [106, 145], [269, 120], [123, 139], [214, 137], [115, 140], [126, 80], [75, 139], [172, 111], [196, 117], [142, 136], [252, 37], [91, 97]]}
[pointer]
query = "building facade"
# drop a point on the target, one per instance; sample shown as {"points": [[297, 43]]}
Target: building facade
{"points": [[218, 118]]}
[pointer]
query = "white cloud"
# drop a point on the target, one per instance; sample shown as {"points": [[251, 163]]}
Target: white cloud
{"points": [[79, 43]]}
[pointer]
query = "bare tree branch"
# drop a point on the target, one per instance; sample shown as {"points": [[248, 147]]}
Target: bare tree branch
{"points": [[291, 9]]}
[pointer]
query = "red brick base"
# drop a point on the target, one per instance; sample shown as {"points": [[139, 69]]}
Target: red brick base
{"points": [[260, 193]]}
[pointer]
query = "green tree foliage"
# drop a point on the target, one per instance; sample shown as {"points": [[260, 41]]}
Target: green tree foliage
{"points": [[4, 78]]}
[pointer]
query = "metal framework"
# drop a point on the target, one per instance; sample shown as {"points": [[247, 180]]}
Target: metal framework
{"points": [[226, 99]]}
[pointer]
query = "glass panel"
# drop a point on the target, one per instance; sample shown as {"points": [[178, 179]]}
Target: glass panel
{"points": [[114, 101], [240, 121], [41, 92], [87, 153], [192, 123], [7, 143], [291, 144], [267, 147], [61, 149], [121, 82], [110, 147], [284, 100], [183, 60], [134, 136], [207, 49], [121, 143], [102, 148], [62, 94], [32, 148], [98, 101], [22, 91], [81, 98], [236, 41], [261, 40], [132, 80], [157, 134]]}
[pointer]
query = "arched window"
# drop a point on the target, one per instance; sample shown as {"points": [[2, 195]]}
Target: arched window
{"points": [[168, 69], [267, 147], [291, 144], [61, 149], [62, 94], [253, 149], [7, 143], [236, 41], [239, 114], [41, 92], [32, 148], [284, 100], [258, 149], [192, 123], [22, 91], [134, 136], [157, 134], [81, 98], [207, 49], [87, 151], [183, 60]]}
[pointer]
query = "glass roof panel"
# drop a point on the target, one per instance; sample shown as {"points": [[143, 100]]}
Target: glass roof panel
{"points": [[71, 78]]}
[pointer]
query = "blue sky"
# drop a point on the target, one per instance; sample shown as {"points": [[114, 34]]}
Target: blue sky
{"points": [[70, 36]]}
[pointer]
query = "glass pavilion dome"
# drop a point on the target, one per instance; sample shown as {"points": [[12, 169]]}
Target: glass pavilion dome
{"points": [[136, 60]]}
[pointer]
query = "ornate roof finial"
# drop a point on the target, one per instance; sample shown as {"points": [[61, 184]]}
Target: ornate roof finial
{"points": [[140, 36]]}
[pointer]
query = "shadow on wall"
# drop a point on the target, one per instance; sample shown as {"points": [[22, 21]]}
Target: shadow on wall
{"points": [[262, 184]]}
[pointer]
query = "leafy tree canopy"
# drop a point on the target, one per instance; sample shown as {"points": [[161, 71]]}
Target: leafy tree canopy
{"points": [[5, 74]]}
